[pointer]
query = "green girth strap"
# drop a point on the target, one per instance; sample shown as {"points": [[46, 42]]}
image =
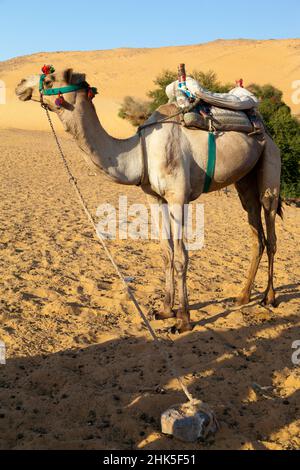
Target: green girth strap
{"points": [[211, 161]]}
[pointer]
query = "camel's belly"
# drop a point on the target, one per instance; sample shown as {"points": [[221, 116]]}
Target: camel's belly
{"points": [[236, 155]]}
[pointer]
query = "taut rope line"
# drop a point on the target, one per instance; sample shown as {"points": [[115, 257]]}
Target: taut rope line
{"points": [[128, 290]]}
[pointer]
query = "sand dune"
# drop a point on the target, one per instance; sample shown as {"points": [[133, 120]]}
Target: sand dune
{"points": [[122, 72]]}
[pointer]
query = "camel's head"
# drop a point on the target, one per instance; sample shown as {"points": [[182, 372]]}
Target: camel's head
{"points": [[70, 83]]}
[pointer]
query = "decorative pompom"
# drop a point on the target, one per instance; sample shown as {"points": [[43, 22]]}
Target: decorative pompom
{"points": [[47, 69], [59, 101], [91, 94]]}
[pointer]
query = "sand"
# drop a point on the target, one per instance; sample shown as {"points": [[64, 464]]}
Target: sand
{"points": [[82, 372], [122, 72]]}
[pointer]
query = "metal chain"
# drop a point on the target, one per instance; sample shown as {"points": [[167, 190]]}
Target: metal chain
{"points": [[128, 290]]}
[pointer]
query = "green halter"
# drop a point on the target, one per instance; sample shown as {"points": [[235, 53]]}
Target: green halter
{"points": [[64, 89]]}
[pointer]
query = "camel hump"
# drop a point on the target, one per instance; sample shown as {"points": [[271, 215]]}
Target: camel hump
{"points": [[165, 111], [168, 109]]}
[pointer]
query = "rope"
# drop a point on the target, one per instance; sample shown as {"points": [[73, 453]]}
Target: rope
{"points": [[161, 121], [128, 290]]}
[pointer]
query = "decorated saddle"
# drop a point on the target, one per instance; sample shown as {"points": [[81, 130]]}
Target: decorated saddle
{"points": [[233, 111]]}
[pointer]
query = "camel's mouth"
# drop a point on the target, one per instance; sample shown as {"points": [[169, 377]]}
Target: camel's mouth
{"points": [[26, 87], [23, 92]]}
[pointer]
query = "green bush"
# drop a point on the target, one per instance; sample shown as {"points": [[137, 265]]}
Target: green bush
{"points": [[285, 130], [158, 95], [209, 81]]}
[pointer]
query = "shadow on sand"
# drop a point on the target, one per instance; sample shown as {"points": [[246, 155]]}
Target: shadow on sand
{"points": [[111, 396]]}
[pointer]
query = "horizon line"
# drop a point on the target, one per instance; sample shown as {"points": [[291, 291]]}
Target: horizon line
{"points": [[147, 47]]}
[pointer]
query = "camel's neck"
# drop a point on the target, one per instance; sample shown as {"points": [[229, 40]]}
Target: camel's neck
{"points": [[122, 160]]}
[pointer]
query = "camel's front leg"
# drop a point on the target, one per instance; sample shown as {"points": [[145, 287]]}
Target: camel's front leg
{"points": [[167, 248], [168, 257], [180, 265]]}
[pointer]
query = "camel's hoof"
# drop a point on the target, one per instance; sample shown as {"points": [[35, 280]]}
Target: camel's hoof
{"points": [[269, 301], [242, 300], [185, 328], [182, 327], [165, 315]]}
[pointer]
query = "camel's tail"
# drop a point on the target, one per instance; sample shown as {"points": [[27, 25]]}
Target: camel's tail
{"points": [[280, 208]]}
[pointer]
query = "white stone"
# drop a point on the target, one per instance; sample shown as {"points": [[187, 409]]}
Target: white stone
{"points": [[2, 353], [186, 422]]}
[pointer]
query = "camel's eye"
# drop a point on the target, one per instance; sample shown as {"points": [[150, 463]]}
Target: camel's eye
{"points": [[48, 83]]}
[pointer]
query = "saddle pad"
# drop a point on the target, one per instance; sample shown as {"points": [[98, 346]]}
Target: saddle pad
{"points": [[223, 120]]}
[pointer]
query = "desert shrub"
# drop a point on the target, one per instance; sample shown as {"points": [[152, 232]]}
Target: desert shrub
{"points": [[136, 111]]}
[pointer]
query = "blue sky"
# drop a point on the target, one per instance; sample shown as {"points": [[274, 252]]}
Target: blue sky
{"points": [[34, 26]]}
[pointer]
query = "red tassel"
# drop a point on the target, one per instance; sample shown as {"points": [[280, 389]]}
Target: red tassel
{"points": [[91, 94]]}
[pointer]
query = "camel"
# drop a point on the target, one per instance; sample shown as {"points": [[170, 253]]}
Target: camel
{"points": [[168, 162]]}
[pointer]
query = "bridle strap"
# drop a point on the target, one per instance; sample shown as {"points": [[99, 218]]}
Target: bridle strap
{"points": [[65, 89]]}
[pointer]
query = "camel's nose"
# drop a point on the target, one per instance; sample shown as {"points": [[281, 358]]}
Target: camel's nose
{"points": [[23, 92], [20, 88]]}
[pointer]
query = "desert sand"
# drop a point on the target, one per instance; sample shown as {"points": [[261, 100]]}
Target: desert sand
{"points": [[82, 371]]}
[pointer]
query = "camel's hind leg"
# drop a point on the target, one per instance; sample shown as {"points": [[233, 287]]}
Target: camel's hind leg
{"points": [[249, 195], [269, 172]]}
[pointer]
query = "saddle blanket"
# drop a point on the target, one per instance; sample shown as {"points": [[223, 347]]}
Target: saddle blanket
{"points": [[238, 99]]}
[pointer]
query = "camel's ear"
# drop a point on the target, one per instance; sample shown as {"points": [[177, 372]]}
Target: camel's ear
{"points": [[73, 78], [78, 78], [68, 73]]}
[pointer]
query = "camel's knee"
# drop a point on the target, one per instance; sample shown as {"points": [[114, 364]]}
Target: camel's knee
{"points": [[167, 259], [180, 268], [168, 256], [181, 263]]}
